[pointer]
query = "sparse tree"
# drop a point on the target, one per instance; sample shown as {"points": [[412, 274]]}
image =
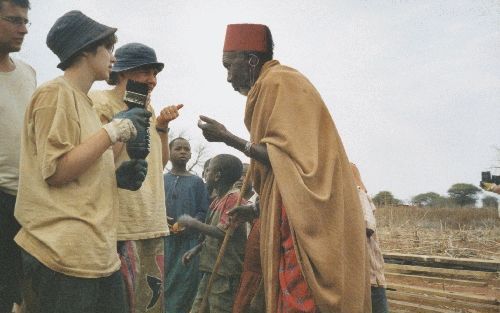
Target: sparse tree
{"points": [[385, 198], [490, 202], [463, 194], [430, 200], [199, 156]]}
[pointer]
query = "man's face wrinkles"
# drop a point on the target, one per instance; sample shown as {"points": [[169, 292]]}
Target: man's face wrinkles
{"points": [[238, 71]]}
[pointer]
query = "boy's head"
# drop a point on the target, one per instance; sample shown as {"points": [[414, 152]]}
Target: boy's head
{"points": [[239, 183], [180, 151], [205, 168], [75, 35], [223, 170], [244, 171]]}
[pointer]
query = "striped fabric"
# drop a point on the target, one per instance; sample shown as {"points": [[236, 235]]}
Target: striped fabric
{"points": [[295, 296]]}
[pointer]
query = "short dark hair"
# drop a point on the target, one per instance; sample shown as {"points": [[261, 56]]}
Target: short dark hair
{"points": [[229, 166], [108, 42], [20, 3], [171, 144], [206, 164]]}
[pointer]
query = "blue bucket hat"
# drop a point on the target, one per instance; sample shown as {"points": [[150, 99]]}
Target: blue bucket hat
{"points": [[73, 32], [133, 55]]}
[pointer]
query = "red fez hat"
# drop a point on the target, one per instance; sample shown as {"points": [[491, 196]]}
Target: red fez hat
{"points": [[246, 37]]}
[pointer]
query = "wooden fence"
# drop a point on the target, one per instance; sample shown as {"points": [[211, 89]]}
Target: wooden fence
{"points": [[430, 284]]}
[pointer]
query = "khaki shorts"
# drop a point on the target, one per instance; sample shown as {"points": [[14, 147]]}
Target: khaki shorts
{"points": [[222, 294]]}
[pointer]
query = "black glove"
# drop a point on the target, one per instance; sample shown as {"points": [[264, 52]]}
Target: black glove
{"points": [[138, 147], [131, 174], [138, 116]]}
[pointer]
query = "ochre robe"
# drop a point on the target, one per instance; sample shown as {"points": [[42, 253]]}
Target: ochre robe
{"points": [[311, 176]]}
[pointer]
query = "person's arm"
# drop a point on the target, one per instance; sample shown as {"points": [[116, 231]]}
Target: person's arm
{"points": [[166, 115], [245, 213], [214, 131], [489, 186], [190, 222], [75, 162], [496, 189], [188, 256], [165, 151], [118, 146]]}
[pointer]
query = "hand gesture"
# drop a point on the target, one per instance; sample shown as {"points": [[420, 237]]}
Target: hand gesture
{"points": [[213, 131], [242, 214], [188, 256], [185, 221], [167, 115], [487, 186]]}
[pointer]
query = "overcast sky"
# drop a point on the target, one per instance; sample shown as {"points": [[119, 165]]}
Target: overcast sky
{"points": [[413, 86]]}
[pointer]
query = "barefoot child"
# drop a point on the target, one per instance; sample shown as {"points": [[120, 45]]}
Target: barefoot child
{"points": [[224, 170]]}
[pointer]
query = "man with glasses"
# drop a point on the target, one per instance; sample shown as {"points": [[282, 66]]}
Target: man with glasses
{"points": [[17, 83]]}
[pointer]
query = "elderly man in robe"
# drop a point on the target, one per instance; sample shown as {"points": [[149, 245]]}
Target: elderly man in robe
{"points": [[313, 250]]}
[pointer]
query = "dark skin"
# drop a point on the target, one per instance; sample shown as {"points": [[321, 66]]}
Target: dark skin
{"points": [[217, 185], [239, 184], [242, 77], [180, 154]]}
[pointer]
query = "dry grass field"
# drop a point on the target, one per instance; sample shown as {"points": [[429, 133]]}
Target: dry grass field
{"points": [[451, 232], [463, 234]]}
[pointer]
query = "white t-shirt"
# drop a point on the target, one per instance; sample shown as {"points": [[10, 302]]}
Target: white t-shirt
{"points": [[16, 88]]}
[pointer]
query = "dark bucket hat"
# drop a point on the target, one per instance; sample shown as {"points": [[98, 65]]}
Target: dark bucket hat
{"points": [[133, 55], [73, 32]]}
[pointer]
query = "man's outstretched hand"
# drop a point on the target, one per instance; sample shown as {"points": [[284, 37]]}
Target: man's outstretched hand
{"points": [[213, 131]]}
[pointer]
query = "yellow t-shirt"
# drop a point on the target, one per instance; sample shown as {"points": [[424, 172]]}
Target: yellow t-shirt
{"points": [[142, 213], [71, 228]]}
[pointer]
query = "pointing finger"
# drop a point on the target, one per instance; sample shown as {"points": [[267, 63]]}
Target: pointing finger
{"points": [[207, 119]]}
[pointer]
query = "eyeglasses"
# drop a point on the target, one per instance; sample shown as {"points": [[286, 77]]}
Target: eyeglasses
{"points": [[16, 20]]}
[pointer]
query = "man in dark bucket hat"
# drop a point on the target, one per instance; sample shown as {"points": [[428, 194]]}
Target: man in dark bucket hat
{"points": [[141, 231], [133, 56], [67, 204]]}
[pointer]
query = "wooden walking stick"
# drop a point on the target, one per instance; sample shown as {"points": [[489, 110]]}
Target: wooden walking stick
{"points": [[220, 256]]}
